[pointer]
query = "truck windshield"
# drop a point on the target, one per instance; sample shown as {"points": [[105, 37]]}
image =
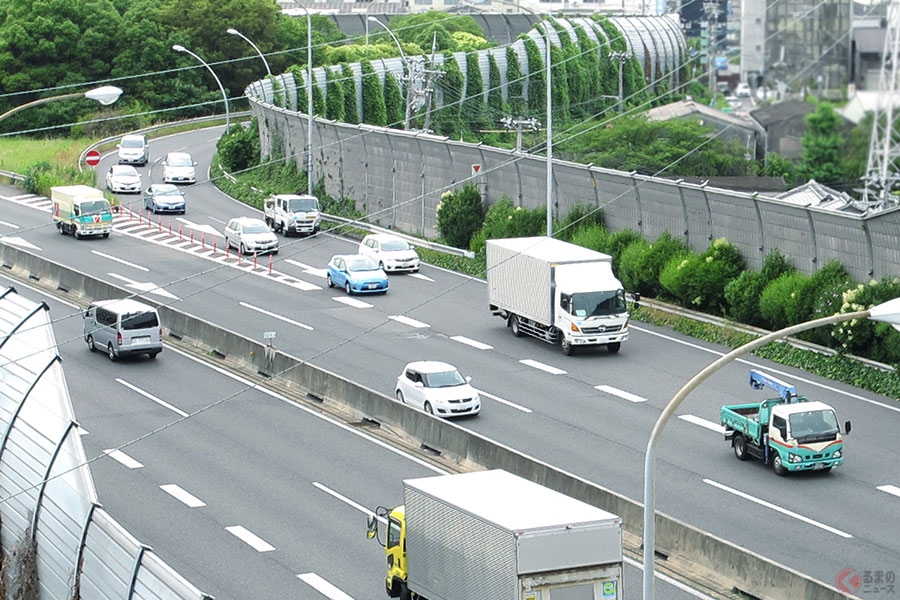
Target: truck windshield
{"points": [[814, 426], [303, 205], [593, 304], [94, 207]]}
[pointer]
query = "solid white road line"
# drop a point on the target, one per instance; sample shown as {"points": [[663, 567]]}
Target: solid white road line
{"points": [[252, 540], [10, 225], [276, 316], [620, 393], [181, 495], [408, 321], [122, 458], [673, 582], [703, 423], [469, 342], [20, 242], [162, 403], [506, 402], [890, 489], [323, 587], [539, 365], [776, 508], [120, 261], [344, 499], [352, 302]]}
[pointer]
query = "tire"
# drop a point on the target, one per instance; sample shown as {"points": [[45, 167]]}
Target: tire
{"points": [[614, 347], [400, 397], [740, 447], [514, 325], [347, 288], [567, 348], [90, 343], [111, 353], [76, 234], [826, 469], [428, 408], [242, 249], [61, 228], [778, 466], [153, 354], [405, 594], [329, 281], [105, 235]]}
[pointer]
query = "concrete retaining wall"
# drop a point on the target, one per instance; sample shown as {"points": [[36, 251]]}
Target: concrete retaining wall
{"points": [[748, 571]]}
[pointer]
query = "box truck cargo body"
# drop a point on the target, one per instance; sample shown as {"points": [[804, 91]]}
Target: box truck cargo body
{"points": [[81, 210], [492, 534], [557, 292]]}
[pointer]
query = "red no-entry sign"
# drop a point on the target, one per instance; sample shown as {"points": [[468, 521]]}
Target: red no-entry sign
{"points": [[92, 158]]}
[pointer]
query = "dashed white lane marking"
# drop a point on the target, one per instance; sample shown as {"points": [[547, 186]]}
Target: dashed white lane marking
{"points": [[777, 508], [323, 587], [252, 540], [890, 489], [10, 225], [408, 321], [183, 496], [703, 423], [122, 458], [150, 396], [539, 365], [120, 261], [276, 316], [20, 242], [420, 276], [352, 302], [620, 393], [506, 402], [469, 342]]}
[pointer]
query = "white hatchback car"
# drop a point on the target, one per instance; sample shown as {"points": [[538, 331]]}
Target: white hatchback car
{"points": [[392, 253], [123, 179], [250, 236], [438, 389], [178, 167]]}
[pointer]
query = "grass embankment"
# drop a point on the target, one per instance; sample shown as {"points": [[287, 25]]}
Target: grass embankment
{"points": [[19, 153]]}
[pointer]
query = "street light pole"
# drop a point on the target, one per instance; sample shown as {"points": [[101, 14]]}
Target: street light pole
{"points": [[233, 31], [406, 67], [371, 4], [105, 95], [888, 312], [309, 102], [180, 48]]}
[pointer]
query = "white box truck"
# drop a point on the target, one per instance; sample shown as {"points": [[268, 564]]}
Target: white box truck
{"points": [[81, 210], [293, 214], [494, 535], [557, 292]]}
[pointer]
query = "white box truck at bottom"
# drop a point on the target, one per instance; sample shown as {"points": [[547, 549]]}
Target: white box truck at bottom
{"points": [[491, 535]]}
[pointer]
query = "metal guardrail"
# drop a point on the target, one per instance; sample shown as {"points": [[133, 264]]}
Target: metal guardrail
{"points": [[16, 177]]}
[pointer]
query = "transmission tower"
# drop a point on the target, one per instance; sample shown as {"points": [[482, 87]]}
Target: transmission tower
{"points": [[882, 175]]}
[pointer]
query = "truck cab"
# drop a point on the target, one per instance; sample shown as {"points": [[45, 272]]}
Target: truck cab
{"points": [[394, 548], [590, 307], [293, 214]]}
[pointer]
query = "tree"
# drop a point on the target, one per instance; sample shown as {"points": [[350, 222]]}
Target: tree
{"points": [[374, 110], [823, 146], [394, 104], [460, 215]]}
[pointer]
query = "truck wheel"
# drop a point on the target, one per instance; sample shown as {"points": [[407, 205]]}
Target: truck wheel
{"points": [[778, 466], [614, 347], [567, 348], [76, 234], [61, 228], [740, 446], [90, 343], [514, 325], [405, 594]]}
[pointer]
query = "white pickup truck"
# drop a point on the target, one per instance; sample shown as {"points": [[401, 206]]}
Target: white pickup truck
{"points": [[293, 214]]}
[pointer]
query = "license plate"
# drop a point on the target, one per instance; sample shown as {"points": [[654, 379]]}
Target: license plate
{"points": [[818, 466], [373, 286], [141, 339]]}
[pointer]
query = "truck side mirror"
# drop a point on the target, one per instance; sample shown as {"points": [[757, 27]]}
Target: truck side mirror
{"points": [[371, 527], [847, 427]]}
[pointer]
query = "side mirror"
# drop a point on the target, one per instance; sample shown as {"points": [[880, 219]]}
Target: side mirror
{"points": [[847, 427], [371, 527], [468, 379], [118, 146], [419, 384]]}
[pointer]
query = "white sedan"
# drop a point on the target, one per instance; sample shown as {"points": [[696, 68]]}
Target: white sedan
{"points": [[392, 253], [438, 389], [123, 179]]}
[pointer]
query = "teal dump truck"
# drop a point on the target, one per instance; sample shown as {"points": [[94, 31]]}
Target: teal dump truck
{"points": [[790, 432]]}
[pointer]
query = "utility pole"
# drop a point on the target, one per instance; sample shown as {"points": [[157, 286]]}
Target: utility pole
{"points": [[881, 176], [433, 74], [712, 18], [621, 58], [520, 123]]}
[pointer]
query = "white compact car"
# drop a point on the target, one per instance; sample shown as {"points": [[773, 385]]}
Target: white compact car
{"points": [[123, 179], [438, 389], [179, 168], [392, 253]]}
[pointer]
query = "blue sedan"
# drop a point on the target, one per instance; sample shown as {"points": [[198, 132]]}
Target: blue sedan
{"points": [[357, 274]]}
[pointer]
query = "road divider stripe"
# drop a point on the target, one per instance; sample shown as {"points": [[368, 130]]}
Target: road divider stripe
{"points": [[150, 396], [408, 321], [620, 393], [541, 366], [183, 496], [469, 342], [120, 261], [252, 540], [8, 224], [506, 402], [122, 458], [777, 508], [889, 489], [351, 302], [420, 276], [276, 316], [703, 423], [323, 587]]}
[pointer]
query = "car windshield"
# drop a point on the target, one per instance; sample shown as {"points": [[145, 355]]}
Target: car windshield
{"points": [[125, 172], [814, 426], [394, 245], [256, 228], [592, 304], [167, 191], [443, 379], [362, 264], [132, 143], [142, 320], [303, 204], [94, 207], [179, 161]]}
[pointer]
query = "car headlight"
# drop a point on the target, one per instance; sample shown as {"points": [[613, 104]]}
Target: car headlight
{"points": [[794, 458], [838, 454]]}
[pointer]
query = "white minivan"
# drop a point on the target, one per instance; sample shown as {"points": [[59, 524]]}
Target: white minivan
{"points": [[123, 327]]}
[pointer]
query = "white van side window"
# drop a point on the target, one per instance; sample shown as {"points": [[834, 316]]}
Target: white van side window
{"points": [[106, 317]]}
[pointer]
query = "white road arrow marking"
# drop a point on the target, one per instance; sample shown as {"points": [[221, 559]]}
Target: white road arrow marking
{"points": [[149, 288], [17, 241]]}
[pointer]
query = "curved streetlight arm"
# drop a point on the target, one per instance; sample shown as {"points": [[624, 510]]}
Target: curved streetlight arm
{"points": [[180, 48], [105, 95], [396, 41], [888, 312], [233, 31]]}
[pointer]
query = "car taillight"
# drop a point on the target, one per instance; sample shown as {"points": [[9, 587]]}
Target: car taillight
{"points": [[160, 334], [119, 338]]}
